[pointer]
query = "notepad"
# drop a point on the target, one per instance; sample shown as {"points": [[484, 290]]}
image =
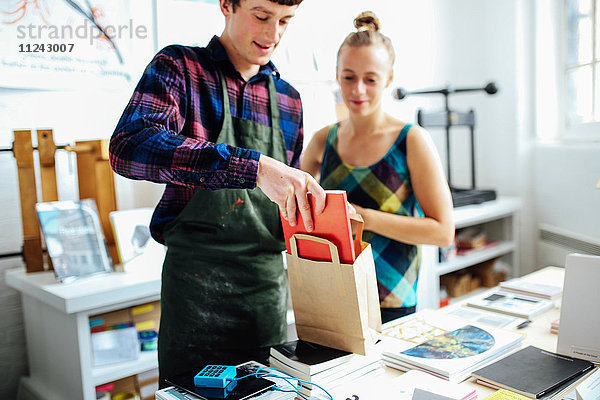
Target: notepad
{"points": [[532, 372]]}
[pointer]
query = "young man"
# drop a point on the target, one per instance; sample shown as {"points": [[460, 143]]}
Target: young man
{"points": [[223, 131]]}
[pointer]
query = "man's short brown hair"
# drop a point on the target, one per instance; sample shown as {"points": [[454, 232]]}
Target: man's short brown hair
{"points": [[236, 3]]}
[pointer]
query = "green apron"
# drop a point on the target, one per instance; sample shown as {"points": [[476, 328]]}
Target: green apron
{"points": [[224, 290]]}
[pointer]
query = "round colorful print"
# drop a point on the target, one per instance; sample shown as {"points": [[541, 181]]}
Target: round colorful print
{"points": [[467, 341]]}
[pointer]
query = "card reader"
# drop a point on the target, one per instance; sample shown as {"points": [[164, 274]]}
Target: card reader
{"points": [[216, 376]]}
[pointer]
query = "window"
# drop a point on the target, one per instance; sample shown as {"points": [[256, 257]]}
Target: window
{"points": [[582, 63]]}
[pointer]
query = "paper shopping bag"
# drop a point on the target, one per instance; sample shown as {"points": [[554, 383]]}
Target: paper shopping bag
{"points": [[335, 304]]}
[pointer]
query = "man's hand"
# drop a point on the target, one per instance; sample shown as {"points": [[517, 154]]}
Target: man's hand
{"points": [[288, 188]]}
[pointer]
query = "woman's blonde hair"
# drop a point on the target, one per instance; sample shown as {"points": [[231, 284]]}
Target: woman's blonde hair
{"points": [[367, 33]]}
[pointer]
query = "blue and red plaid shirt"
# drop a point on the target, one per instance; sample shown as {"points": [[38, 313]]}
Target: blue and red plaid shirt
{"points": [[167, 131]]}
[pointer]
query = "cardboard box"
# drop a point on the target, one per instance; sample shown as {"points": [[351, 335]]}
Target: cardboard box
{"points": [[124, 385], [147, 384], [457, 283], [470, 238], [475, 283], [485, 271]]}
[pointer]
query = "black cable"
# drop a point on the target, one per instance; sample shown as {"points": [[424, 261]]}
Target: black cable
{"points": [[11, 255]]}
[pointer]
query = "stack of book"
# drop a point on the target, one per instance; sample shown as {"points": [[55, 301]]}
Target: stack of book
{"points": [[320, 365], [445, 346], [532, 289], [535, 373], [554, 325]]}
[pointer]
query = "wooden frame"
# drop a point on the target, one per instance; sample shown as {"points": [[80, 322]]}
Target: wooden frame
{"points": [[95, 179]]}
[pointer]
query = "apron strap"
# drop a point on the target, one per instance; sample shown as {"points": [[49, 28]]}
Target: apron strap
{"points": [[273, 104], [273, 107]]}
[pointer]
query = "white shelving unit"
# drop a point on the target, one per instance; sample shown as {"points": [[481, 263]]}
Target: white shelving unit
{"points": [[499, 219], [58, 333]]}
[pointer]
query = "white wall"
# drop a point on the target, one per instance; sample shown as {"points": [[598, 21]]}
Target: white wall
{"points": [[565, 192]]}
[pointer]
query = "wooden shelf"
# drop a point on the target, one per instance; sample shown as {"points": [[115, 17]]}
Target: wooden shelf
{"points": [[484, 212], [57, 322], [499, 219], [475, 257], [472, 293], [108, 373]]}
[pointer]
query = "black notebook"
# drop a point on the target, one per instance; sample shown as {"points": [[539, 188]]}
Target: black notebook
{"points": [[236, 390], [532, 372], [309, 358]]}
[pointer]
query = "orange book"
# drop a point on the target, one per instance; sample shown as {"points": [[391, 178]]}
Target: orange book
{"points": [[333, 224]]}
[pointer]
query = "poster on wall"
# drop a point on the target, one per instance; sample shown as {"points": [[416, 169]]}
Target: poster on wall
{"points": [[62, 44]]}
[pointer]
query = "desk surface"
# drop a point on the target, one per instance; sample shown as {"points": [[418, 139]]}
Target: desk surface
{"points": [[141, 279], [379, 385]]}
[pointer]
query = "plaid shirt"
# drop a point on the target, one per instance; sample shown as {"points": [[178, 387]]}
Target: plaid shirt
{"points": [[167, 131]]}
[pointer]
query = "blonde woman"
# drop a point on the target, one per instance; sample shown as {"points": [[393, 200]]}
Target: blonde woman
{"points": [[389, 168]]}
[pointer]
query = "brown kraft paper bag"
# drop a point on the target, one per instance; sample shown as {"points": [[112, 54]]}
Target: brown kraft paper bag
{"points": [[335, 304]]}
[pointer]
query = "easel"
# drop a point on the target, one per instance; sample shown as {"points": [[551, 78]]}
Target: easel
{"points": [[94, 176]]}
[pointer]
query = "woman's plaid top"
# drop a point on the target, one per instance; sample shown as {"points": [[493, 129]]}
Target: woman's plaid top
{"points": [[383, 186]]}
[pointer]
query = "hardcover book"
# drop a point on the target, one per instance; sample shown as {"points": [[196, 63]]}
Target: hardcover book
{"points": [[309, 358], [445, 346], [512, 304], [74, 238], [333, 224], [533, 372], [533, 288]]}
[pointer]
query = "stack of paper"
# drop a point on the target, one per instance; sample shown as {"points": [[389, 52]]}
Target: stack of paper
{"points": [[554, 326], [512, 304], [531, 288], [445, 346], [320, 365]]}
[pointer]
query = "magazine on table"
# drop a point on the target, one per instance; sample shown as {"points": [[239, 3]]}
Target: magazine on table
{"points": [[446, 346], [512, 304], [488, 317]]}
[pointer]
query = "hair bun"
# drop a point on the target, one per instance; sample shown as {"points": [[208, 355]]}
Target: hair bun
{"points": [[367, 21]]}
